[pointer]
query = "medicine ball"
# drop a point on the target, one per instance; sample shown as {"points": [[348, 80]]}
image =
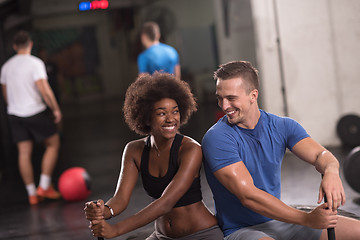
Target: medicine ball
{"points": [[352, 169], [348, 130], [74, 184]]}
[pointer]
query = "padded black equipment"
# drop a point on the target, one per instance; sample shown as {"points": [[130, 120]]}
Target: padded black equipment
{"points": [[352, 169], [348, 130]]}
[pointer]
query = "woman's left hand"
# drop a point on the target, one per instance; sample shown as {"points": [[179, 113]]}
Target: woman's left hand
{"points": [[100, 228]]}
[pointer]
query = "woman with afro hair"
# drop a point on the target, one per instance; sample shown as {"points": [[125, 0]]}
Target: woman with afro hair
{"points": [[169, 164]]}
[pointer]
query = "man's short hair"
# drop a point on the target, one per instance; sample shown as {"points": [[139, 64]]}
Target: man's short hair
{"points": [[151, 30], [242, 69], [22, 39]]}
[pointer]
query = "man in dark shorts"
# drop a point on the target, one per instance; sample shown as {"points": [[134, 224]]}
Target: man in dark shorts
{"points": [[27, 93]]}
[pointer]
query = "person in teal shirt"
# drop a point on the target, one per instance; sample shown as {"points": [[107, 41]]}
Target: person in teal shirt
{"points": [[157, 56]]}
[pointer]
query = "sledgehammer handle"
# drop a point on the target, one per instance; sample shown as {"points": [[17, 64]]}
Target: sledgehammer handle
{"points": [[101, 238], [330, 231]]}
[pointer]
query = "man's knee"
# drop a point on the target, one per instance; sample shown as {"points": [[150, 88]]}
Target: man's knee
{"points": [[53, 141], [25, 147]]}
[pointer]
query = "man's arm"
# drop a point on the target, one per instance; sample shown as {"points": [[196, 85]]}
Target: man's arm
{"points": [[49, 98], [325, 163], [237, 179], [3, 87], [141, 63], [177, 71]]}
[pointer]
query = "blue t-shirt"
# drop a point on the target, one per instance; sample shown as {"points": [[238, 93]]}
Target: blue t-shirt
{"points": [[159, 57], [261, 149]]}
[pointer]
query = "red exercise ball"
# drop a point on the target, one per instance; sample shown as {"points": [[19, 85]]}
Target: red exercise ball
{"points": [[74, 184]]}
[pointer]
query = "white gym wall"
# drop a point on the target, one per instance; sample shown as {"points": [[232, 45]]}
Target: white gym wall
{"points": [[320, 51]]}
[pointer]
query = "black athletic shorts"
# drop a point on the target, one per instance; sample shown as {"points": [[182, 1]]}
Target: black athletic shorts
{"points": [[37, 127]]}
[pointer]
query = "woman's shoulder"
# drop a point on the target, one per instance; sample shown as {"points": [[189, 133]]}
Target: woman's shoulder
{"points": [[133, 151], [137, 144], [190, 144], [190, 141]]}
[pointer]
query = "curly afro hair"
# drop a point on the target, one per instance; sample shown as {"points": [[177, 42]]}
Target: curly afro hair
{"points": [[147, 90]]}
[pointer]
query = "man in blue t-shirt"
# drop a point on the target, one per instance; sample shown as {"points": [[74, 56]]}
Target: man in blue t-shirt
{"points": [[243, 152], [157, 56]]}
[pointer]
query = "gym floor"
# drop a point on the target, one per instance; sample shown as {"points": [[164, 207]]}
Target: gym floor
{"points": [[93, 136]]}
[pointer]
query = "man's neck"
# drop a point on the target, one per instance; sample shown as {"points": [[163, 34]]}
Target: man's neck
{"points": [[24, 51], [150, 44], [252, 119]]}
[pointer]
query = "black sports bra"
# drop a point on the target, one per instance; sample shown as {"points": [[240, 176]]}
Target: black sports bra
{"points": [[155, 186]]}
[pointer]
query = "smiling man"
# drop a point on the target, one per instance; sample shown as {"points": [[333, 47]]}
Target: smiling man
{"points": [[243, 152]]}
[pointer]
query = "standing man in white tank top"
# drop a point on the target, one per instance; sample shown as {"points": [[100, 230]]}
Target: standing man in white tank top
{"points": [[28, 94]]}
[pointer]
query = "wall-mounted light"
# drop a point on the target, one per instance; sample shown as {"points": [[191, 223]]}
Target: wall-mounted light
{"points": [[93, 5]]}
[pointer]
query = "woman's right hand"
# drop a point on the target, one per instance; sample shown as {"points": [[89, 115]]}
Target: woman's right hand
{"points": [[94, 210]]}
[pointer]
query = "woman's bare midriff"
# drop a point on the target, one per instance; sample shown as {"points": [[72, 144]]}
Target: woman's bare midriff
{"points": [[183, 221]]}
